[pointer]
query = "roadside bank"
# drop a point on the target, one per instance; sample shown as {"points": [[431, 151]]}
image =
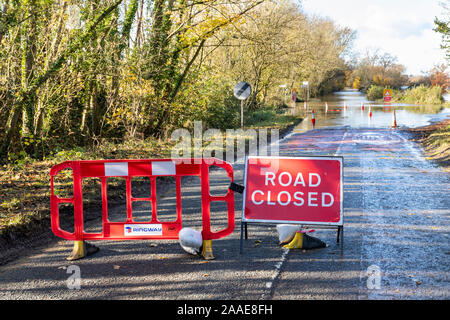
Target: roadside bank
{"points": [[435, 141]]}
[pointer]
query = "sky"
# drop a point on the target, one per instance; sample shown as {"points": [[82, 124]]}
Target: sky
{"points": [[403, 28]]}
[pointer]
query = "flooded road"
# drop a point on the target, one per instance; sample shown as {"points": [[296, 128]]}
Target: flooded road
{"points": [[351, 108]]}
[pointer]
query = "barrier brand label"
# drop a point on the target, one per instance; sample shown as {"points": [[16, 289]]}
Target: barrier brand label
{"points": [[143, 229]]}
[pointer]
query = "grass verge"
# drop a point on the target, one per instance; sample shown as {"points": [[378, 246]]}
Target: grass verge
{"points": [[423, 95], [435, 140]]}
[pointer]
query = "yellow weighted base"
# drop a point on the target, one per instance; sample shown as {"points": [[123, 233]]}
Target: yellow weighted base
{"points": [[78, 251], [81, 249], [296, 243], [207, 252]]}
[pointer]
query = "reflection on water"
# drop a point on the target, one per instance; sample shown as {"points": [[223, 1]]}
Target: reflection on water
{"points": [[351, 108]]}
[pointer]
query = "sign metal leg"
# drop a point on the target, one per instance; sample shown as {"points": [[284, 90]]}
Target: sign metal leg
{"points": [[246, 233], [338, 234], [241, 244]]}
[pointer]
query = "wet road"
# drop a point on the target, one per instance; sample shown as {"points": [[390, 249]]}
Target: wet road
{"points": [[396, 218]]}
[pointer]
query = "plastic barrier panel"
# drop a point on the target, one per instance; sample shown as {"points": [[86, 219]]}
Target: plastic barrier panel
{"points": [[127, 169]]}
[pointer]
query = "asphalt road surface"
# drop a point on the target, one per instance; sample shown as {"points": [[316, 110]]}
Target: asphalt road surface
{"points": [[396, 237]]}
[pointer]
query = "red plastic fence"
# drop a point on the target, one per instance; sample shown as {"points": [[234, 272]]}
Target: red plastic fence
{"points": [[151, 168]]}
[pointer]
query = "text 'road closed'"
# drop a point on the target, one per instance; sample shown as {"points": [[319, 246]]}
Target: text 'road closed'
{"points": [[293, 189], [298, 198]]}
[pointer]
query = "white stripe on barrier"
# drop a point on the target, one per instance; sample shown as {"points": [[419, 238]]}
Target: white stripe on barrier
{"points": [[161, 168], [116, 169]]}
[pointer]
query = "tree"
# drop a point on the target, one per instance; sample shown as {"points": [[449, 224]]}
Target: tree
{"points": [[32, 81], [278, 44], [377, 68], [76, 72], [439, 76], [443, 27]]}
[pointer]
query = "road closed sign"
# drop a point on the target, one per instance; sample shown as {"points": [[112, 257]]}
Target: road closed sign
{"points": [[301, 190]]}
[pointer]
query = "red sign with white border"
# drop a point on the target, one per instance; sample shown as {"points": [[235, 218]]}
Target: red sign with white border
{"points": [[300, 190]]}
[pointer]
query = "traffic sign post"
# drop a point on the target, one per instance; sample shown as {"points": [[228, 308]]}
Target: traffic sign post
{"points": [[242, 91], [387, 95], [307, 191], [294, 99], [242, 114], [305, 84], [294, 95]]}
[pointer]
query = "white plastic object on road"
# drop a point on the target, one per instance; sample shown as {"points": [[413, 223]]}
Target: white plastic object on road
{"points": [[191, 240], [286, 232]]}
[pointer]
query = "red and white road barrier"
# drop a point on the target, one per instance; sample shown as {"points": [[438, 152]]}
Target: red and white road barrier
{"points": [[130, 229]]}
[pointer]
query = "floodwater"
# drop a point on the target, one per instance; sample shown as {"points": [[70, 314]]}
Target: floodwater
{"points": [[351, 108]]}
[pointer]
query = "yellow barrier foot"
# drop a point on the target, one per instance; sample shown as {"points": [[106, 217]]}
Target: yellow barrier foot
{"points": [[304, 241], [296, 243], [82, 249], [207, 252]]}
